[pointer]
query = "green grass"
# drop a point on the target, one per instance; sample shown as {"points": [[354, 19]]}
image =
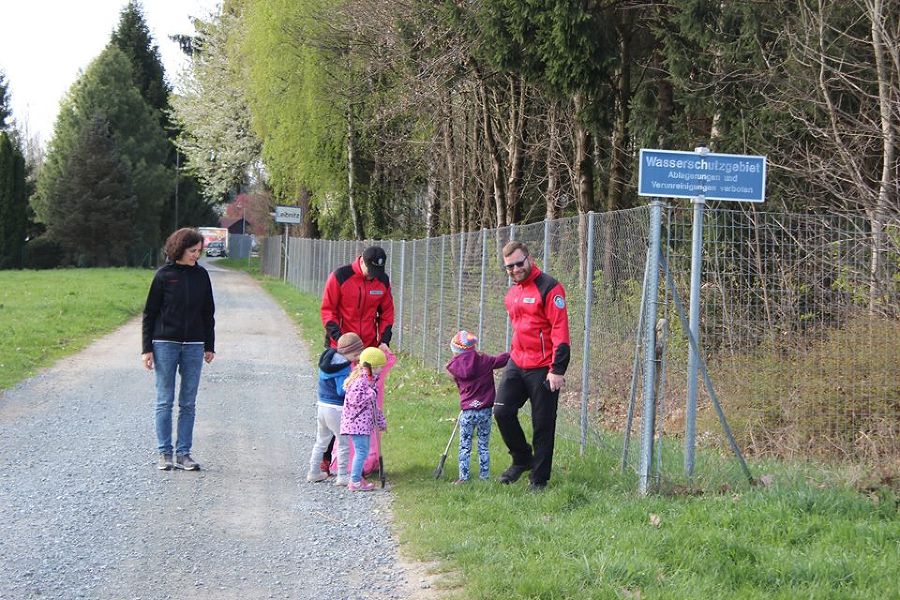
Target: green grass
{"points": [[590, 536], [587, 536], [45, 315], [249, 265]]}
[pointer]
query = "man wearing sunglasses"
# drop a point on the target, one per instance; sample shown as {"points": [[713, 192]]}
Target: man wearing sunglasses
{"points": [[538, 360]]}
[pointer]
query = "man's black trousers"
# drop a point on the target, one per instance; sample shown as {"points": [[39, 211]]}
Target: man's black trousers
{"points": [[517, 386]]}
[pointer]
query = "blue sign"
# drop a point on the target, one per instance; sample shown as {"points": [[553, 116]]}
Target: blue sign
{"points": [[671, 174]]}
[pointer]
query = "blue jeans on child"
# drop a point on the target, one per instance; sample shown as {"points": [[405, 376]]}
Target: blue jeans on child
{"points": [[186, 359], [360, 452], [471, 421]]}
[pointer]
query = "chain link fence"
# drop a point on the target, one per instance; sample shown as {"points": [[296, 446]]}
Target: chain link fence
{"points": [[800, 326]]}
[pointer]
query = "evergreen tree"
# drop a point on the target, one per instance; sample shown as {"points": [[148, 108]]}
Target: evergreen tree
{"points": [[94, 216], [5, 110], [13, 189], [106, 90], [132, 36]]}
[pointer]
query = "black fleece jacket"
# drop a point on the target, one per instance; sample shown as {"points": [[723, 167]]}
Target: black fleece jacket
{"points": [[180, 307]]}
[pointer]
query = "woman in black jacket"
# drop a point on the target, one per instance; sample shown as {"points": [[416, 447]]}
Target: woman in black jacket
{"points": [[178, 335]]}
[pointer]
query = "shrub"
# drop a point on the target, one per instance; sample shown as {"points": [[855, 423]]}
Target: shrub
{"points": [[43, 253], [838, 397]]}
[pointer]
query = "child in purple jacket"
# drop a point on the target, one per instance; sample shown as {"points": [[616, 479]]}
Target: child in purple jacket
{"points": [[473, 372]]}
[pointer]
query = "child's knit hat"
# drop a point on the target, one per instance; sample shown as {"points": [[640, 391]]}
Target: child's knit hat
{"points": [[350, 345], [463, 341]]}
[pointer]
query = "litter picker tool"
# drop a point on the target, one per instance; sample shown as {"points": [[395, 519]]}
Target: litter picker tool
{"points": [[440, 468]]}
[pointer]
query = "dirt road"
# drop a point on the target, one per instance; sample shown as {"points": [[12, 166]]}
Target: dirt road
{"points": [[84, 513]]}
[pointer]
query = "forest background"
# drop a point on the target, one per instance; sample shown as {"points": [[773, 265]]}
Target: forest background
{"points": [[404, 119]]}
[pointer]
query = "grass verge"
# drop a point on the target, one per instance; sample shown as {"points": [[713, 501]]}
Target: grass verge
{"points": [[45, 315], [589, 536]]}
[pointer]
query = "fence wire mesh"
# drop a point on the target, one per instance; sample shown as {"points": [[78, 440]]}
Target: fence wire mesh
{"points": [[800, 326]]}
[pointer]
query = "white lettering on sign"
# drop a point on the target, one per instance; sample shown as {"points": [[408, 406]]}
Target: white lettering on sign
{"points": [[702, 164]]}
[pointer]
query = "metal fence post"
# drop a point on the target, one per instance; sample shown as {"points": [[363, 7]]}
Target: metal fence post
{"points": [[412, 294], [286, 238], [648, 418], [546, 265], [690, 418], [459, 278], [390, 262], [586, 350], [626, 443], [512, 236], [483, 273], [441, 302], [425, 301], [402, 293]]}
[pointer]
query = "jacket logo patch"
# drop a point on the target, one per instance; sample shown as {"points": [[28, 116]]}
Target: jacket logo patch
{"points": [[528, 300], [376, 292], [559, 301]]}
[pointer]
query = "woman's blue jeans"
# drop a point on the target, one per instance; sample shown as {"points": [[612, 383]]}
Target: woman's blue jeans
{"points": [[186, 359]]}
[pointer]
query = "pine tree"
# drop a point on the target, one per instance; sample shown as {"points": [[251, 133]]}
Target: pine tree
{"points": [[94, 216], [5, 110], [13, 190], [132, 36], [106, 90]]}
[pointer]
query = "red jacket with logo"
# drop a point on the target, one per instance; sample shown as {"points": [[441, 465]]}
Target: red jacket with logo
{"points": [[353, 303], [537, 309]]}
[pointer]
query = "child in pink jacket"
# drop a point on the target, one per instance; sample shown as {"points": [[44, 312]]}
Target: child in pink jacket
{"points": [[361, 416]]}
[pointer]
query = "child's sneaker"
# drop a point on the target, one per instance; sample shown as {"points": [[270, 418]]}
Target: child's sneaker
{"points": [[315, 477], [341, 481], [361, 486], [325, 466]]}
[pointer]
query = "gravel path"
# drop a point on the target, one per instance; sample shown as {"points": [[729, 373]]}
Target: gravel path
{"points": [[84, 513]]}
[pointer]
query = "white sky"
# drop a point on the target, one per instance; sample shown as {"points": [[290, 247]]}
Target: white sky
{"points": [[45, 44]]}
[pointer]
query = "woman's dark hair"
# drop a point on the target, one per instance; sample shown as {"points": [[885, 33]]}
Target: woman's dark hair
{"points": [[180, 241]]}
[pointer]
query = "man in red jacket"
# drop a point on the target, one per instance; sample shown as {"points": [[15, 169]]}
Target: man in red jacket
{"points": [[358, 298], [538, 360]]}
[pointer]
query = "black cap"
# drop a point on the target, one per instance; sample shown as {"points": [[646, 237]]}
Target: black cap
{"points": [[375, 259]]}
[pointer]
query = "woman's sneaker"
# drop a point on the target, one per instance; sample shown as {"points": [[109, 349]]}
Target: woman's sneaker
{"points": [[165, 462], [341, 481], [316, 477], [361, 486], [185, 462]]}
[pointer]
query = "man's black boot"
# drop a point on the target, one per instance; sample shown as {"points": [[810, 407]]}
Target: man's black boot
{"points": [[513, 473]]}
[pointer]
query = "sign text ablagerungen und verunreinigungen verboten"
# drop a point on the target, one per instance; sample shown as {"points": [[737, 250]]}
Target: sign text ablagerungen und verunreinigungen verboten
{"points": [[709, 171]]}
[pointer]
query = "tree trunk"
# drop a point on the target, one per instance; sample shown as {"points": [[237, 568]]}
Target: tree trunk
{"points": [[584, 178], [307, 224], [515, 147], [456, 223], [351, 170], [552, 195], [584, 175], [665, 102], [886, 182], [493, 153], [618, 172], [432, 204]]}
